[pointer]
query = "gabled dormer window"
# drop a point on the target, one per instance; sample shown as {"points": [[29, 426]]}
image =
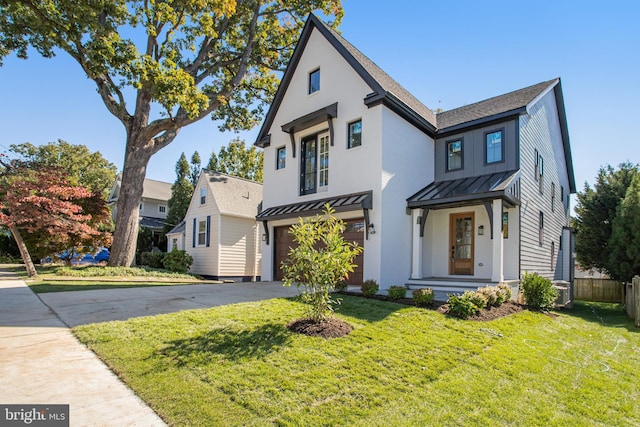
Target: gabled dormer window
{"points": [[454, 155], [314, 81]]}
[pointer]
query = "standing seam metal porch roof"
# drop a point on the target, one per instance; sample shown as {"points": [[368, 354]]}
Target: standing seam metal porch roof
{"points": [[457, 192]]}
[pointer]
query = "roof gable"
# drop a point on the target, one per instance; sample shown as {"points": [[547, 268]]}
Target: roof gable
{"points": [[384, 89], [151, 189], [232, 195]]}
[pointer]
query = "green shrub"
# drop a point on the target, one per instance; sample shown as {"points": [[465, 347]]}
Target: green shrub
{"points": [[423, 297], [461, 305], [503, 294], [476, 298], [490, 294], [177, 261], [152, 259], [98, 271], [369, 287], [341, 286], [538, 291], [397, 292]]}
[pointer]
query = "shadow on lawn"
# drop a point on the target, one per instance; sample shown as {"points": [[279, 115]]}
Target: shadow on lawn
{"points": [[606, 314], [227, 344]]}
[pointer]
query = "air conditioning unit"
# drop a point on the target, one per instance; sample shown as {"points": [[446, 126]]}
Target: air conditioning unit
{"points": [[564, 295]]}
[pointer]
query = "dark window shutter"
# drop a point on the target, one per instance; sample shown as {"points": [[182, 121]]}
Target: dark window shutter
{"points": [[194, 232], [208, 230]]}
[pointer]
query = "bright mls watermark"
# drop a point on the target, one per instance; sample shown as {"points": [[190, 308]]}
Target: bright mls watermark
{"points": [[34, 415]]}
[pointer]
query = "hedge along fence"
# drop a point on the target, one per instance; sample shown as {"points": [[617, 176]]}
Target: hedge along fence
{"points": [[599, 290]]}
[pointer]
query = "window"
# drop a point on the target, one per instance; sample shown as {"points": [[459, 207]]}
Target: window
{"points": [[454, 155], [539, 170], [324, 161], [355, 134], [314, 167], [162, 209], [541, 229], [314, 81], [281, 157], [174, 243], [141, 206], [203, 196], [202, 232], [493, 152], [553, 255], [553, 196]]}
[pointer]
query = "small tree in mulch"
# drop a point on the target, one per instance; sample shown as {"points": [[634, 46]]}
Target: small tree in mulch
{"points": [[321, 259]]}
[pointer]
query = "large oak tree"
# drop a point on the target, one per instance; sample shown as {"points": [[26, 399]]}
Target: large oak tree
{"points": [[187, 59]]}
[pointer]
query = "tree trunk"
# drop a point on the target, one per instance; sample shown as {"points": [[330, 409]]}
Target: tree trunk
{"points": [[125, 235], [24, 252]]}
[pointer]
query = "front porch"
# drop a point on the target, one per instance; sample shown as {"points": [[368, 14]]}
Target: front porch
{"points": [[466, 234]]}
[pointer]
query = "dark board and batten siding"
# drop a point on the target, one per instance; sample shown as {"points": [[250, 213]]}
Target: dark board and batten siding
{"points": [[540, 133], [473, 156]]}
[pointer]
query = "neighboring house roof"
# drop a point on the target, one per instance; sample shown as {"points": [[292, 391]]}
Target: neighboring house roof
{"points": [[151, 189], [153, 223], [234, 196], [178, 229]]}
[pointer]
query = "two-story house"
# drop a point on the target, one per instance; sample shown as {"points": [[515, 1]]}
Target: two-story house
{"points": [[463, 198], [153, 205]]}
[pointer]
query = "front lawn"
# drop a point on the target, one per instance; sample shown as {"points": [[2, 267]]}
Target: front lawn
{"points": [[239, 365]]}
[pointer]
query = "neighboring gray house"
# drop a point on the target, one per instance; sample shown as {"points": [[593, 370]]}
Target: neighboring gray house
{"points": [[220, 231], [455, 200], [153, 205]]}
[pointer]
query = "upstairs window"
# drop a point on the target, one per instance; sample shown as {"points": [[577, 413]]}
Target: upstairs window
{"points": [[355, 134], [493, 147], [314, 81], [541, 229], [162, 209], [553, 196], [454, 155], [281, 157], [324, 162], [539, 170], [203, 196], [314, 167]]}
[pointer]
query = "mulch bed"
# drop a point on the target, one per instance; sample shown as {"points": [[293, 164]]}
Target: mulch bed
{"points": [[328, 328], [484, 315]]}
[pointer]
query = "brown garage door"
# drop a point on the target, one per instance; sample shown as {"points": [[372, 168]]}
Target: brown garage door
{"points": [[354, 233]]}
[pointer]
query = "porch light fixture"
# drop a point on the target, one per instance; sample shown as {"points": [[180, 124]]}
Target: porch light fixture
{"points": [[481, 230], [371, 229]]}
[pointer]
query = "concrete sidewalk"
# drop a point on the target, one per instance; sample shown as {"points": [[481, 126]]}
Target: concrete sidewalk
{"points": [[41, 362]]}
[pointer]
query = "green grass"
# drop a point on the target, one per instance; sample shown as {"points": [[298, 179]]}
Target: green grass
{"points": [[48, 286], [239, 365]]}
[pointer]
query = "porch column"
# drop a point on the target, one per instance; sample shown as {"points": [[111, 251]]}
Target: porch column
{"points": [[416, 240], [497, 274]]}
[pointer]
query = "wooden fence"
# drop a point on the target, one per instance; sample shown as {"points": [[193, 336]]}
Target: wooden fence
{"points": [[599, 290]]}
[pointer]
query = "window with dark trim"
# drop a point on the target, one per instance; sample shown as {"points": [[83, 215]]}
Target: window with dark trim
{"points": [[553, 255], [553, 196], [354, 134], [281, 157], [454, 154], [314, 166], [541, 229], [539, 170], [162, 209], [493, 147], [314, 81], [202, 232]]}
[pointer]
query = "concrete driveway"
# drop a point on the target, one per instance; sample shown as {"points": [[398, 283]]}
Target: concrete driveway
{"points": [[83, 307]]}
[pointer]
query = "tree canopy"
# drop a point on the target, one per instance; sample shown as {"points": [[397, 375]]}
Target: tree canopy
{"points": [[36, 199], [598, 210], [181, 192], [185, 60], [80, 166], [238, 160]]}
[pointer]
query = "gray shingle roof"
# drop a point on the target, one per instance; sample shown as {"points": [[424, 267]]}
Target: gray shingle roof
{"points": [[178, 228], [492, 106], [234, 196], [383, 79], [159, 190]]}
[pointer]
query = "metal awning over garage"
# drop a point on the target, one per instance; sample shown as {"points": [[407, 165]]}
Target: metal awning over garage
{"points": [[342, 203]]}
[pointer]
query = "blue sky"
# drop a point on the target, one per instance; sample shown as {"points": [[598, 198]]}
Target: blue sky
{"points": [[447, 54]]}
